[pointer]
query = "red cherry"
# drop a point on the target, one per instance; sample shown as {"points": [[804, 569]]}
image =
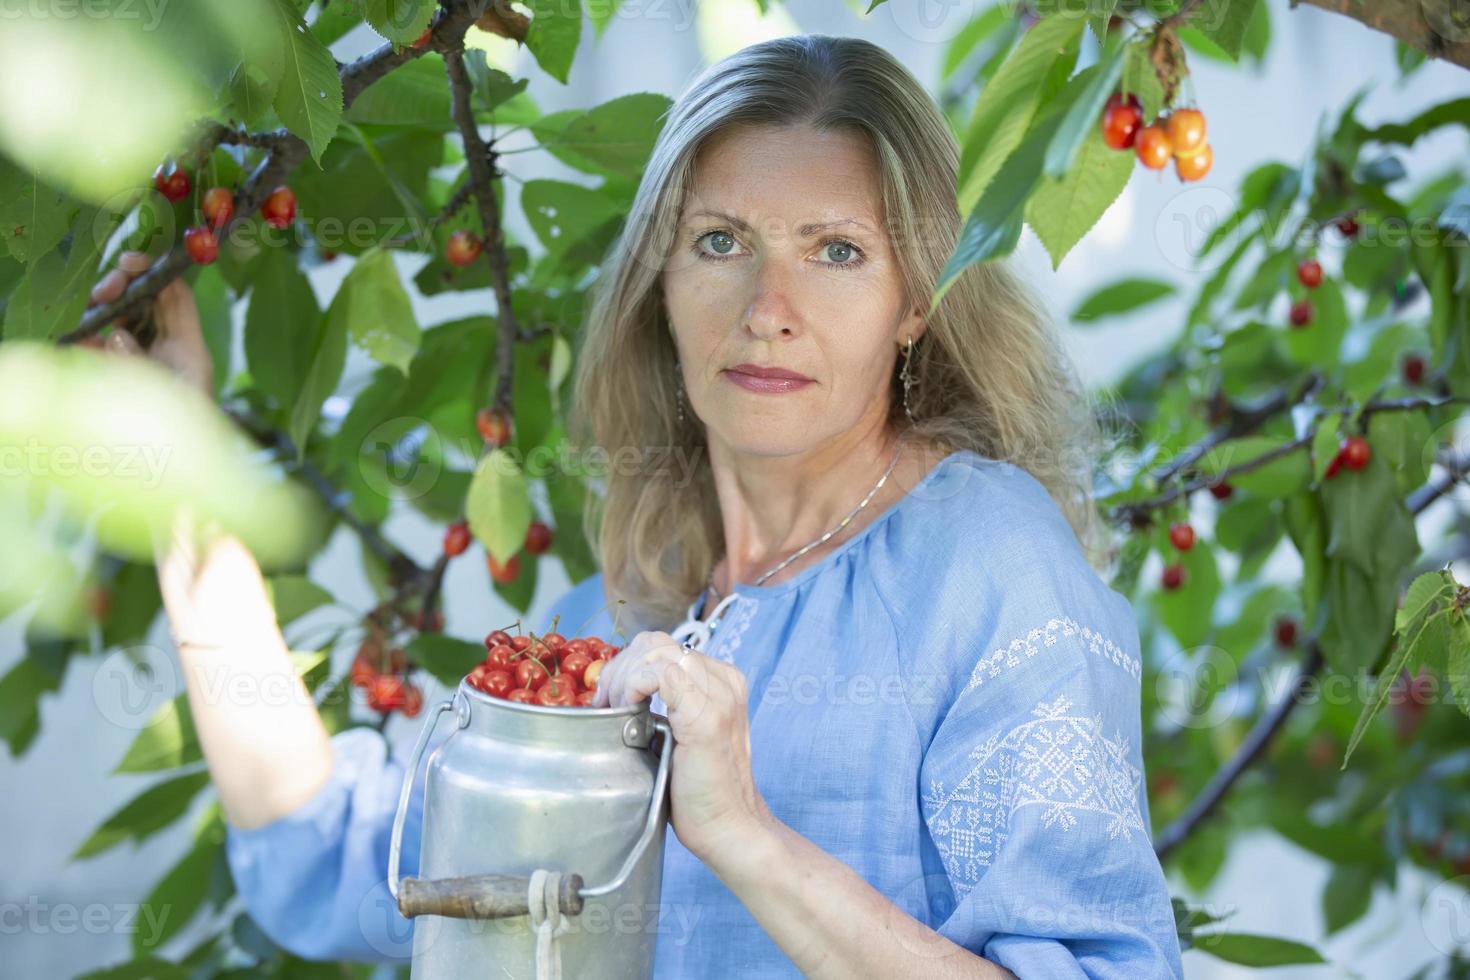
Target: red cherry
{"points": [[575, 646], [557, 692], [172, 183], [1309, 273], [520, 643], [1285, 631], [1356, 452], [538, 538], [1121, 121], [218, 206], [1181, 536], [462, 248], [503, 573], [1413, 369], [494, 427], [413, 701], [1333, 466], [1348, 226], [1153, 147], [364, 667], [497, 682], [1221, 491], [456, 539], [1173, 577], [1301, 313], [386, 693], [201, 245], [530, 672], [422, 40], [495, 638], [574, 665], [522, 695], [500, 657], [279, 210], [586, 699]]}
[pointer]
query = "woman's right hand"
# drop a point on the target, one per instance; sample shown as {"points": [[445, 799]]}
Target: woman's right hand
{"points": [[179, 345]]}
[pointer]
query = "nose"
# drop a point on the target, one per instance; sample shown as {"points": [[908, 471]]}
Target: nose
{"points": [[772, 314]]}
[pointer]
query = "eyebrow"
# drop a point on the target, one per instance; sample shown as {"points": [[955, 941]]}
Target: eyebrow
{"points": [[805, 231]]}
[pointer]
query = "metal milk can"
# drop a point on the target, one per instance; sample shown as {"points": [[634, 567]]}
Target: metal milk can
{"points": [[542, 847]]}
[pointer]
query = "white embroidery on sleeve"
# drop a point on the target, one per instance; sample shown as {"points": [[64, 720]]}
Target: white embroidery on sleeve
{"points": [[1058, 760], [1034, 642]]}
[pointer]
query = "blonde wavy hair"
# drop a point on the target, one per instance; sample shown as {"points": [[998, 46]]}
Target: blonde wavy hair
{"points": [[992, 375]]}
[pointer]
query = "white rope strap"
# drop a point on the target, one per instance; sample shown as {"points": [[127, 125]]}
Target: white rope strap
{"points": [[546, 921]]}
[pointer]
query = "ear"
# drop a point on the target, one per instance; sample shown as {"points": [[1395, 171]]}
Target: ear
{"points": [[913, 325]]}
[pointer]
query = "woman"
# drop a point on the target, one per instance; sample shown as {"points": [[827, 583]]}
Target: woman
{"points": [[906, 708]]}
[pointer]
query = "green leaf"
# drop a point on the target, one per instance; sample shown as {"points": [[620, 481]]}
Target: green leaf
{"points": [[1225, 23], [556, 27], [1453, 113], [1369, 524], [378, 311], [413, 94], [1308, 530], [147, 968], [146, 814], [251, 92], [1457, 659], [1347, 895], [166, 742], [20, 702], [1200, 43], [962, 44], [294, 596], [1124, 296], [361, 184], [499, 505], [1062, 211], [616, 137], [53, 294], [443, 656], [1188, 611], [309, 97], [1258, 33], [1319, 344], [325, 363], [562, 214], [1140, 78], [1411, 648], [179, 896], [281, 326], [493, 87], [33, 215], [1009, 102], [1081, 119], [398, 20], [1259, 951]]}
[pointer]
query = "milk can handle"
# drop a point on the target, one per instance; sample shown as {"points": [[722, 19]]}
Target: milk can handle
{"points": [[396, 843], [496, 896]]}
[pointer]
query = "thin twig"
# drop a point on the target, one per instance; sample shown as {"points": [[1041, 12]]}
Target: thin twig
{"points": [[480, 160]]}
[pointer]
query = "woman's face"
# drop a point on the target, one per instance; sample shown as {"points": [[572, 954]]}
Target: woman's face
{"points": [[781, 260]]}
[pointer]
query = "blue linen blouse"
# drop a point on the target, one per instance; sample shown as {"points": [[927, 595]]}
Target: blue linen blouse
{"points": [[948, 703]]}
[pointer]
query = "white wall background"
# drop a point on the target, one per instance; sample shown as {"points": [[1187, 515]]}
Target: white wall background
{"points": [[61, 788]]}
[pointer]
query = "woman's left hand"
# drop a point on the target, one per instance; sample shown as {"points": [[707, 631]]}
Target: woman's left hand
{"points": [[716, 805]]}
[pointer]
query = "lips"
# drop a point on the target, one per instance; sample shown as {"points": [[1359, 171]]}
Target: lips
{"points": [[769, 373]]}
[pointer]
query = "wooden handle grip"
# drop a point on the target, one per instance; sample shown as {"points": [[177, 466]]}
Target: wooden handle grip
{"points": [[480, 896]]}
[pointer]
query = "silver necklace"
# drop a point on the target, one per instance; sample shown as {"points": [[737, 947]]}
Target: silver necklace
{"points": [[710, 584]]}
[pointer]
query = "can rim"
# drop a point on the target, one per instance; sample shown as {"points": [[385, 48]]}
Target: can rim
{"points": [[554, 710]]}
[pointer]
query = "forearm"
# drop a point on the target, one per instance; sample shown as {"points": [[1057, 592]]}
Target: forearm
{"points": [[831, 922], [262, 737]]}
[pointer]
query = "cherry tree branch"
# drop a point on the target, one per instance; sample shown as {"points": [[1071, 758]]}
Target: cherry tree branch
{"points": [[1271, 722], [285, 153], [481, 162], [1429, 25]]}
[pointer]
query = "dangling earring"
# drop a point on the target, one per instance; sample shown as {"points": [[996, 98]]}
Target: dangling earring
{"points": [[679, 393], [906, 375]]}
